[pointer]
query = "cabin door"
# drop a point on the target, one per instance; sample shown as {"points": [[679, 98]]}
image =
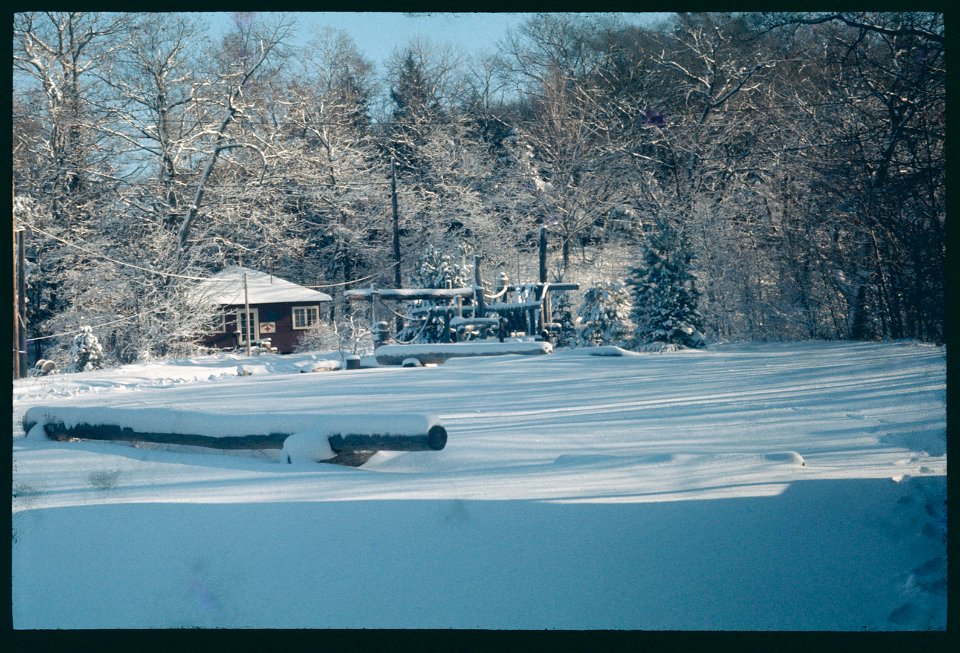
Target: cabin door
{"points": [[242, 325]]}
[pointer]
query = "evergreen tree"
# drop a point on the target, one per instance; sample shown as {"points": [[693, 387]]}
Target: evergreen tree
{"points": [[664, 291], [86, 351], [563, 315], [436, 269], [604, 315]]}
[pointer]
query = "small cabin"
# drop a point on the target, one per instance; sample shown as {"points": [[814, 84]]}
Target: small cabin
{"points": [[280, 310]]}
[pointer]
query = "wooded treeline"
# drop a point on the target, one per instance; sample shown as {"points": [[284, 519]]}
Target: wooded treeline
{"points": [[800, 155]]}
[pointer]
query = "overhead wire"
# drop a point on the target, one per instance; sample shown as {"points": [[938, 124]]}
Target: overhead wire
{"points": [[96, 326], [104, 257]]}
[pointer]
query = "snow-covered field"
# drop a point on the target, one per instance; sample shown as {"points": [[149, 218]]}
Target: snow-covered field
{"points": [[745, 487]]}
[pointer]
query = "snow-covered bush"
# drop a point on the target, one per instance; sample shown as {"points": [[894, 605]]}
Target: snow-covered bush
{"points": [[664, 291], [322, 336], [347, 335], [86, 351], [604, 315]]}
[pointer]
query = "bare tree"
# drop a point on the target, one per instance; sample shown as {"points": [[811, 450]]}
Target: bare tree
{"points": [[558, 64], [333, 177], [246, 54], [64, 163]]}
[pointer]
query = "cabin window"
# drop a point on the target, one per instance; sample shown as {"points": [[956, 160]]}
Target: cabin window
{"points": [[220, 321], [305, 317]]}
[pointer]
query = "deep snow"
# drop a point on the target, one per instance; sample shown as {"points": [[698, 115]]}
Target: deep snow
{"points": [[748, 487]]}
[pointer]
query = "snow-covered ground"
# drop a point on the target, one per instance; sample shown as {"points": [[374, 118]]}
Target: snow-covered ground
{"points": [[747, 487]]}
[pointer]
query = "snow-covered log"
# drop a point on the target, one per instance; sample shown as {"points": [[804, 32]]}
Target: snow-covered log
{"points": [[386, 433], [439, 352], [474, 321], [503, 307], [335, 437], [433, 294]]}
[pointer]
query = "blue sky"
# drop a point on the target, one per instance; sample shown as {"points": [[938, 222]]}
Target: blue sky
{"points": [[377, 34]]}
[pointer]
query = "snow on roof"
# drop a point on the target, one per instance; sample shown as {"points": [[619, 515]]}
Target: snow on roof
{"points": [[226, 287]]}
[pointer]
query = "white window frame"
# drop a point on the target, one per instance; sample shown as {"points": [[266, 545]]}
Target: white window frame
{"points": [[307, 311]]}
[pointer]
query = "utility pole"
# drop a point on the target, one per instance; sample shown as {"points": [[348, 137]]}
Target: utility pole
{"points": [[22, 302], [396, 232], [16, 301], [246, 310], [546, 310]]}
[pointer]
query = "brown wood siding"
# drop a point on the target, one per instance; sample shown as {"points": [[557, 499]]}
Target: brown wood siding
{"points": [[284, 339]]}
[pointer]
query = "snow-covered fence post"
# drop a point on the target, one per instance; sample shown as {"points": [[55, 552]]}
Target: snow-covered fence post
{"points": [[381, 332], [373, 305]]}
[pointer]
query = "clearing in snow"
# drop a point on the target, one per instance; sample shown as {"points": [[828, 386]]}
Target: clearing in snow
{"points": [[744, 487]]}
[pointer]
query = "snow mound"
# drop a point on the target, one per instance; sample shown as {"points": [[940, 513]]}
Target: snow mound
{"points": [[319, 366], [307, 447], [36, 432], [791, 457], [610, 350]]}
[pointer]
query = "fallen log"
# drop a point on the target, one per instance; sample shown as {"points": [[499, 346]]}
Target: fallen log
{"points": [[341, 439], [112, 432], [435, 439]]}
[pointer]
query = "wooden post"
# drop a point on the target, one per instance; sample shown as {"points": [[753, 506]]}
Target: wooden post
{"points": [[246, 308], [478, 288], [445, 319], [543, 255], [547, 310]]}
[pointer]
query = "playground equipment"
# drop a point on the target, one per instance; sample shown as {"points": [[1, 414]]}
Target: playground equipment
{"points": [[454, 315]]}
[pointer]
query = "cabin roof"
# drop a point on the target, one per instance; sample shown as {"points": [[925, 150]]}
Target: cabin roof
{"points": [[226, 288]]}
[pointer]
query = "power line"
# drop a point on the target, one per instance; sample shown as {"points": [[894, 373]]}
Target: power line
{"points": [[188, 277], [104, 257], [96, 326], [361, 280]]}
